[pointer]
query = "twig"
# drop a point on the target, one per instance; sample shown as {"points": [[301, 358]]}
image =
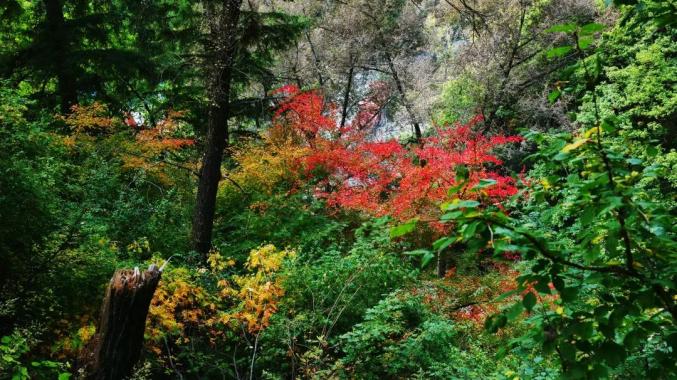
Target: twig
{"points": [[256, 344], [171, 362]]}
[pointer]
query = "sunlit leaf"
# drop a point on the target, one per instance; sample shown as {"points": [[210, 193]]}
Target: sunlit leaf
{"points": [[403, 229], [562, 28]]}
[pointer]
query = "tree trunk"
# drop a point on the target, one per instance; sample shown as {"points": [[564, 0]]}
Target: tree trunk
{"points": [[316, 60], [223, 39], [441, 264], [403, 97], [115, 349], [59, 40], [445, 261], [346, 95]]}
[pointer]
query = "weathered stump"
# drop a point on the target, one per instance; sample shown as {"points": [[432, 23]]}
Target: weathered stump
{"points": [[116, 347]]}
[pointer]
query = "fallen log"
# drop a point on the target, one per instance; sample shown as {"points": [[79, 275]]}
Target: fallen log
{"points": [[116, 347]]}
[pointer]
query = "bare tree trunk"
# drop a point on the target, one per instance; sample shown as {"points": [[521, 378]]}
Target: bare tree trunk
{"points": [[223, 27], [346, 95], [445, 261], [59, 41], [400, 89], [441, 264], [316, 60], [116, 347]]}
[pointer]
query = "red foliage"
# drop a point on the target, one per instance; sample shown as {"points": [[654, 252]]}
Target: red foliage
{"points": [[352, 171], [129, 120]]}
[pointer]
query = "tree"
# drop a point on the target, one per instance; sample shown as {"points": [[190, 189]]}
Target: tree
{"points": [[222, 23], [354, 43], [117, 346], [352, 170], [58, 39], [499, 60], [238, 46], [76, 42]]}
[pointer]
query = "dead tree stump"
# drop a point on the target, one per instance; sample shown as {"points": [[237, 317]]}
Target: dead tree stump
{"points": [[116, 347]]}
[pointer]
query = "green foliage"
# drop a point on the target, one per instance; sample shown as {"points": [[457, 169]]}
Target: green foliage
{"points": [[403, 229], [591, 238], [598, 230], [13, 364], [402, 338], [459, 100], [398, 338], [68, 213], [247, 220], [25, 211], [327, 296]]}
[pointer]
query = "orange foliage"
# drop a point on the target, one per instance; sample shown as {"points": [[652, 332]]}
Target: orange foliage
{"points": [[138, 147], [160, 138], [91, 119]]}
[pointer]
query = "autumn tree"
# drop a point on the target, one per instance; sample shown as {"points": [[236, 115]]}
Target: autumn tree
{"points": [[353, 170]]}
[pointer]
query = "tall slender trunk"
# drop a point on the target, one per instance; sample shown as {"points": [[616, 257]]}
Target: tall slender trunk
{"points": [[346, 95], [316, 60], [224, 40], [492, 119], [59, 41], [403, 96]]}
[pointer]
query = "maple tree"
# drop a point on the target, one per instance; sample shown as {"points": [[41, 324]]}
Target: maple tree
{"points": [[353, 170]]}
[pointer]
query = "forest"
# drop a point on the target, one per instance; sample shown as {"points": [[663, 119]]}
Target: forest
{"points": [[338, 189]]}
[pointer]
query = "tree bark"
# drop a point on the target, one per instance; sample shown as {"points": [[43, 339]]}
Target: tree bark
{"points": [[223, 30], [346, 95], [316, 60], [403, 96], [442, 263], [116, 347], [59, 40], [446, 260]]}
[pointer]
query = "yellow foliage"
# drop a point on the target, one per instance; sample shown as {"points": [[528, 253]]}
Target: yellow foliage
{"points": [[70, 341], [86, 333], [266, 165], [182, 306], [260, 291], [178, 302], [139, 246], [267, 258], [574, 145], [217, 263]]}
